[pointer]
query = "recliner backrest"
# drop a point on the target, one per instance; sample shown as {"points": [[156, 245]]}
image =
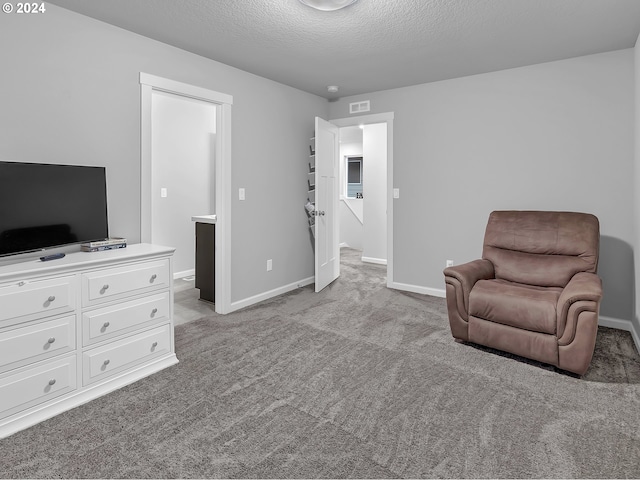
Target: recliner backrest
{"points": [[541, 248]]}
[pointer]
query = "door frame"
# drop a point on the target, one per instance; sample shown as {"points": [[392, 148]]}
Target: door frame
{"points": [[149, 83], [387, 118]]}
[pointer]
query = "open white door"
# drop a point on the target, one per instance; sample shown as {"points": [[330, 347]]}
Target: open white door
{"points": [[327, 251]]}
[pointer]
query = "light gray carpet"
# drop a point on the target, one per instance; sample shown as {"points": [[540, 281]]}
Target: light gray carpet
{"points": [[355, 382]]}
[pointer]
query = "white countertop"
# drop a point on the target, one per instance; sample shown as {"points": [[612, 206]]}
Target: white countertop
{"points": [[204, 219]]}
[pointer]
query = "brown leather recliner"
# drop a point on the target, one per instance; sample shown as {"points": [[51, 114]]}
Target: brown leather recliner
{"points": [[535, 292]]}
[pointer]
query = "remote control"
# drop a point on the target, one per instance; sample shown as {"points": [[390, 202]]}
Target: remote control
{"points": [[55, 256]]}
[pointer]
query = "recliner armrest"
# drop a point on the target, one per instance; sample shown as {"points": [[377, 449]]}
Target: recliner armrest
{"points": [[583, 286], [467, 274]]}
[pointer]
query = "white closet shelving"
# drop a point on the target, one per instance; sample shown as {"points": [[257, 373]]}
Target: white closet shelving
{"points": [[311, 185]]}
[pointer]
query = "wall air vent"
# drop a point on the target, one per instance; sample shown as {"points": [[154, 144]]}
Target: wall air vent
{"points": [[359, 107]]}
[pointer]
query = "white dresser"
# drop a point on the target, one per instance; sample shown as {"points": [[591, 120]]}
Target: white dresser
{"points": [[76, 328]]}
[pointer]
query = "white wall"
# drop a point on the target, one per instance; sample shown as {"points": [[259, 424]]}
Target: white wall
{"points": [[351, 209], [350, 227], [70, 93], [183, 155], [374, 187], [553, 136]]}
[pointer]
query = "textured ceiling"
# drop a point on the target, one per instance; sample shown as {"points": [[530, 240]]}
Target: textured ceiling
{"points": [[376, 44]]}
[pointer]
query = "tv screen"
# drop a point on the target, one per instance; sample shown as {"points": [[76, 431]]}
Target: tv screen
{"points": [[43, 206]]}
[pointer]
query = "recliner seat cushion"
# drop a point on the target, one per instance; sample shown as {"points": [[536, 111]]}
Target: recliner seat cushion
{"points": [[514, 304]]}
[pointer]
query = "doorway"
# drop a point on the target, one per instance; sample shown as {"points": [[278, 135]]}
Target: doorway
{"points": [[377, 187], [183, 137], [363, 190], [221, 200]]}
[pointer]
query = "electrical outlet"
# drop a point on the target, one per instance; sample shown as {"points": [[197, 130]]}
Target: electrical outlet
{"points": [[163, 192], [269, 265], [241, 194], [449, 263]]}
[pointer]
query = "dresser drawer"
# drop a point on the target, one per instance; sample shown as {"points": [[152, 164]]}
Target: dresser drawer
{"points": [[29, 300], [33, 343], [108, 322], [115, 357], [119, 282], [36, 385]]}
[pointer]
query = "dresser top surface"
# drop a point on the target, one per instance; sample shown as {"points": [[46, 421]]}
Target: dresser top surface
{"points": [[81, 260]]}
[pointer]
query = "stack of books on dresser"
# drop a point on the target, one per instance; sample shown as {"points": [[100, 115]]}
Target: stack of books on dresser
{"points": [[106, 244]]}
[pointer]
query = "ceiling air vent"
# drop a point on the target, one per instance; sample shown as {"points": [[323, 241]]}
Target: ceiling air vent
{"points": [[359, 107]]}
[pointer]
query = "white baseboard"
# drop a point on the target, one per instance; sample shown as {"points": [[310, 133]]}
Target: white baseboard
{"points": [[185, 273], [610, 322], [270, 294], [603, 321], [378, 261], [434, 292], [620, 324]]}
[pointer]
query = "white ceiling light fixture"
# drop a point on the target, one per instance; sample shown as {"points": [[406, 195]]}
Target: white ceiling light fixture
{"points": [[328, 5], [332, 89]]}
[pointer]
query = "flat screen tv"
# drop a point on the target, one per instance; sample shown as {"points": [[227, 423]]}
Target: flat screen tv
{"points": [[44, 206]]}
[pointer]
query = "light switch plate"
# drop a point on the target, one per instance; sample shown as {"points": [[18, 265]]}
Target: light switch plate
{"points": [[241, 193], [396, 193]]}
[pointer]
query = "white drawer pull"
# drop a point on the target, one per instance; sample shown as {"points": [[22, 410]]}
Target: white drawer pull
{"points": [[105, 324], [51, 298], [51, 340], [52, 381], [106, 362], [153, 277]]}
